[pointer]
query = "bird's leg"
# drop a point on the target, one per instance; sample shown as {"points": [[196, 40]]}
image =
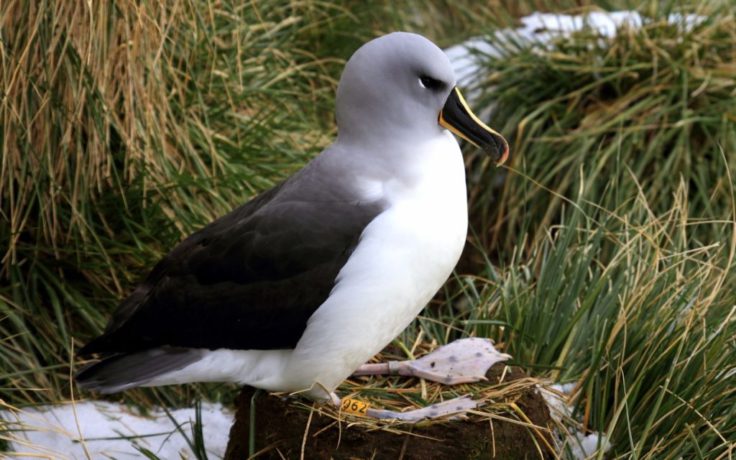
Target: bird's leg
{"points": [[252, 423], [454, 407], [462, 361]]}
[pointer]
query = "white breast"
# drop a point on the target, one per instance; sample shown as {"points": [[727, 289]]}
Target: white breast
{"points": [[404, 256]]}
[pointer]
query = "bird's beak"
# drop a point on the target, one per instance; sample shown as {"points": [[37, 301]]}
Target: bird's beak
{"points": [[459, 119]]}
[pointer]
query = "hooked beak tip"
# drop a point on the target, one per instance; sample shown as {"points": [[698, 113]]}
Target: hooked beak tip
{"points": [[457, 117], [501, 152]]}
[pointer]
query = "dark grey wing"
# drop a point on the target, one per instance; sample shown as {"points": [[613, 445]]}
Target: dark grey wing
{"points": [[249, 280], [121, 371]]}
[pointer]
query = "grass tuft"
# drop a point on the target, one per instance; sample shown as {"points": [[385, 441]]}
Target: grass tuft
{"points": [[644, 110]]}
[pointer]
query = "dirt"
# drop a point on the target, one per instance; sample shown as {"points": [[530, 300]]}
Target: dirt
{"points": [[284, 430]]}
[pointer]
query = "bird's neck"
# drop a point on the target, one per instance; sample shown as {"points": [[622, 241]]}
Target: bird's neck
{"points": [[388, 170], [391, 156]]}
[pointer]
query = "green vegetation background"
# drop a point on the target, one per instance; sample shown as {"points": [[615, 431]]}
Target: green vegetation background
{"points": [[602, 255]]}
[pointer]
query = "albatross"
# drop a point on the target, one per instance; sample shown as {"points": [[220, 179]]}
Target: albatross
{"points": [[299, 287]]}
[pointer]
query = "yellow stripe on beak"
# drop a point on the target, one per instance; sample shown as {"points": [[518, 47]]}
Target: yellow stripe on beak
{"points": [[457, 117]]}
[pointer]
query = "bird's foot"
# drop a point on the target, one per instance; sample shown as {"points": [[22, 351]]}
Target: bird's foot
{"points": [[454, 408], [462, 361]]}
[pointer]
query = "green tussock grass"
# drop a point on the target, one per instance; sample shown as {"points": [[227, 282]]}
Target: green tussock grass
{"points": [[125, 127], [614, 229], [637, 312], [603, 253], [644, 109]]}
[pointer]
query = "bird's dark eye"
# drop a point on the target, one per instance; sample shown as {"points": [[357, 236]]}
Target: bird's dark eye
{"points": [[431, 83]]}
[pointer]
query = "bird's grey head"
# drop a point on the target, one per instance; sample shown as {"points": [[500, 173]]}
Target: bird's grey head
{"points": [[393, 85], [401, 87]]}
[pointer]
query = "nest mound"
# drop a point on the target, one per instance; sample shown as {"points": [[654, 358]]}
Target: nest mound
{"points": [[513, 423]]}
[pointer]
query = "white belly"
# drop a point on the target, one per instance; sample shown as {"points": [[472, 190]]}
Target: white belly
{"points": [[403, 258]]}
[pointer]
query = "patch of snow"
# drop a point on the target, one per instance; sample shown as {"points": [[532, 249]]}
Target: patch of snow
{"points": [[564, 388], [586, 446], [465, 56], [555, 397], [94, 429], [579, 445], [541, 29]]}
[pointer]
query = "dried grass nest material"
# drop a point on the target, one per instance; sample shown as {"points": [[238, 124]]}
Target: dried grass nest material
{"points": [[514, 422]]}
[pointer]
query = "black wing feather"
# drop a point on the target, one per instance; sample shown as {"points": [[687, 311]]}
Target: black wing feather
{"points": [[249, 280]]}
